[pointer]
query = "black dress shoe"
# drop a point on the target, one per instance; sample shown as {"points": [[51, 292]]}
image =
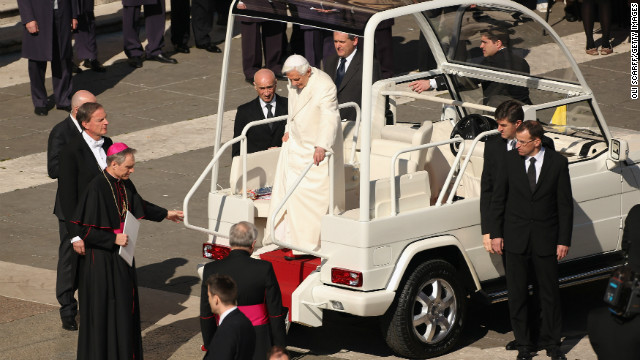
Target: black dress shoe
{"points": [[41, 111], [163, 59], [210, 48], [570, 17], [135, 61], [556, 354], [94, 65], [511, 345], [75, 68], [69, 323], [64, 108], [524, 355], [181, 49]]}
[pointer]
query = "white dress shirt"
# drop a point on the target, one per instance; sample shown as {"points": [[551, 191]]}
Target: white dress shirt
{"points": [[539, 159], [263, 105], [348, 60]]}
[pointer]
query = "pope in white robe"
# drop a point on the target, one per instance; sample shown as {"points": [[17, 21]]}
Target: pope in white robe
{"points": [[313, 128]]}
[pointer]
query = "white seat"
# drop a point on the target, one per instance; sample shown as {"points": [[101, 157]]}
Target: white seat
{"points": [[412, 191], [393, 139]]}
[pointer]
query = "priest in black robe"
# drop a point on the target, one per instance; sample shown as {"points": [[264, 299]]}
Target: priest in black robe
{"points": [[108, 286]]}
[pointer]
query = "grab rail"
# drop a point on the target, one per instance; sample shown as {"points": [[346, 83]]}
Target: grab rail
{"points": [[464, 104], [185, 204], [288, 195]]}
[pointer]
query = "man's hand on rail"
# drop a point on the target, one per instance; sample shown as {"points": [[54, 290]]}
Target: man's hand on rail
{"points": [[318, 155], [420, 85]]}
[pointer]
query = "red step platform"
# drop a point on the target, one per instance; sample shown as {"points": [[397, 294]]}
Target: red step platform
{"points": [[290, 273]]}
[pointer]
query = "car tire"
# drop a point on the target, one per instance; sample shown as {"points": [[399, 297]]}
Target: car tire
{"points": [[427, 317]]}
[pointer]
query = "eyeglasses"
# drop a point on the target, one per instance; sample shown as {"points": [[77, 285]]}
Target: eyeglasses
{"points": [[523, 143]]}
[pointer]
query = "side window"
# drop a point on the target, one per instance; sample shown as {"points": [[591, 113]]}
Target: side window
{"points": [[574, 130]]}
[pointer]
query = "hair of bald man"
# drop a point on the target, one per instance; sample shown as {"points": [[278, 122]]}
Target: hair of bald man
{"points": [[268, 71], [243, 234], [296, 63]]}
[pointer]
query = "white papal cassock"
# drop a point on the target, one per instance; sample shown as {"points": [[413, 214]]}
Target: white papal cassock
{"points": [[313, 121]]}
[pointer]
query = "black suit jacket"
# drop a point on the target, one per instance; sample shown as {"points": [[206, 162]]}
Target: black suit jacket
{"points": [[257, 284], [540, 220], [78, 166], [495, 93], [495, 148], [60, 135], [234, 340], [350, 88], [259, 137]]}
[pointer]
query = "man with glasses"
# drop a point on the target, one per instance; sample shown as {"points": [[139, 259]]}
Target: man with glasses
{"points": [[532, 221], [268, 104]]}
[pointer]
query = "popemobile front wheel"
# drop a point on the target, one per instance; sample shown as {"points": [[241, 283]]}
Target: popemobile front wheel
{"points": [[426, 319]]}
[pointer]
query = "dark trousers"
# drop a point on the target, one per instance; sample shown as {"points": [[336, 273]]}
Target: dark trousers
{"points": [[202, 12], [85, 45], [67, 274], [318, 45], [384, 51], [180, 21], [154, 18], [60, 71], [257, 36], [545, 270]]}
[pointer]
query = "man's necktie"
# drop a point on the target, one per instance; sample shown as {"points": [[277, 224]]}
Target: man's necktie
{"points": [[340, 72], [531, 174], [512, 144], [269, 115]]}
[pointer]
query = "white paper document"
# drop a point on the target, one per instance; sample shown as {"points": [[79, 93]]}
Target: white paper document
{"points": [[131, 227]]}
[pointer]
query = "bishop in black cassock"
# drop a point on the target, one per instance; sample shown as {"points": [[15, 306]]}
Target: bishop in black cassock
{"points": [[108, 286]]}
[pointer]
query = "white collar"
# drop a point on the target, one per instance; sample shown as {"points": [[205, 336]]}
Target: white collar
{"points": [[75, 122], [272, 102], [539, 156], [91, 142]]}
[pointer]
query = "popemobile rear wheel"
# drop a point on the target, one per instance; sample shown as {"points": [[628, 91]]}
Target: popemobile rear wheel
{"points": [[427, 317]]}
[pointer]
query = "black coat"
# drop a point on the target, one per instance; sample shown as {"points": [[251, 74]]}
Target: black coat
{"points": [[542, 219], [495, 148], [350, 88], [234, 340], [39, 46], [257, 284], [259, 137], [495, 93], [60, 135], [78, 166]]}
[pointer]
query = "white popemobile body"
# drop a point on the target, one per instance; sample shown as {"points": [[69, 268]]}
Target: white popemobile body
{"points": [[409, 247]]}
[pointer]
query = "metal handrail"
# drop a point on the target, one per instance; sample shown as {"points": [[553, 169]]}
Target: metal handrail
{"points": [[394, 158], [356, 128], [288, 195], [185, 204], [464, 104], [466, 161]]}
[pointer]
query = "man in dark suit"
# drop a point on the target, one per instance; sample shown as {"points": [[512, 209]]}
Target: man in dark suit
{"points": [[259, 295], [202, 12], [81, 160], [66, 281], [267, 104], [497, 52], [85, 39], [47, 37], [235, 338], [154, 19], [345, 67], [532, 221]]}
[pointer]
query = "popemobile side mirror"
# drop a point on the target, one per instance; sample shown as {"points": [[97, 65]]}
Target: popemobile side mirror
{"points": [[618, 150]]}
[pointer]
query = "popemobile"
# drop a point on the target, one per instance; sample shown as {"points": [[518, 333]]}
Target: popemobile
{"points": [[408, 246]]}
